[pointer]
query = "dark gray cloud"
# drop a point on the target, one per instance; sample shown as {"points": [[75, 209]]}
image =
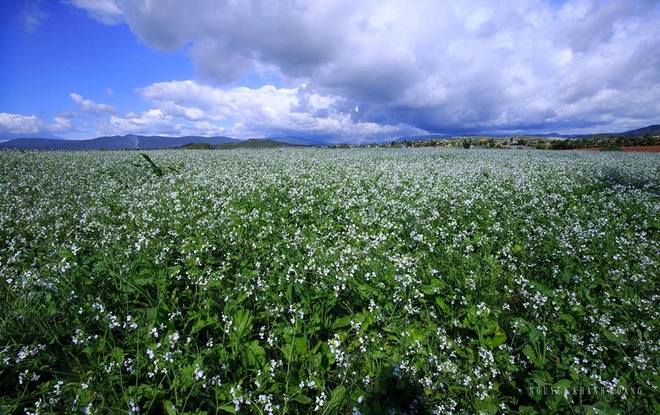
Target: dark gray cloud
{"points": [[227, 38]]}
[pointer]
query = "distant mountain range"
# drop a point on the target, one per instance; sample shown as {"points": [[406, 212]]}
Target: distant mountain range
{"points": [[651, 129], [141, 142], [126, 142]]}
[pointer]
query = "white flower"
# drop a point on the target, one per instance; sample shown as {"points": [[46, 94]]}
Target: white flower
{"points": [[199, 373]]}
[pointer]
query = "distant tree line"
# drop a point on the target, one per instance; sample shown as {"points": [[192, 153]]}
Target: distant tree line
{"points": [[608, 143], [465, 142]]}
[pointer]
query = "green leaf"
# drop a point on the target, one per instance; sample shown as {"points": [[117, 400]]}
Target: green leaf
{"points": [[169, 408], [542, 288], [118, 355], [533, 356], [567, 318], [243, 322], [305, 400], [485, 407], [227, 408], [497, 340], [256, 355], [320, 361], [443, 306], [336, 397], [300, 343], [341, 322], [152, 313], [563, 384], [203, 322], [142, 281], [534, 334], [157, 170], [612, 337], [527, 410]]}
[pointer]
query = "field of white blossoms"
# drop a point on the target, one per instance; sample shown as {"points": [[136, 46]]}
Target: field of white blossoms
{"points": [[359, 281]]}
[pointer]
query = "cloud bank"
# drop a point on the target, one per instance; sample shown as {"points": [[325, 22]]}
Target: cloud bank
{"points": [[435, 66], [189, 107]]}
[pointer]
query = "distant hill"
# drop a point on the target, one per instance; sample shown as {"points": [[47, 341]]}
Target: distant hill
{"points": [[126, 142], [6, 136], [39, 144], [549, 135], [651, 129], [253, 143], [300, 141]]}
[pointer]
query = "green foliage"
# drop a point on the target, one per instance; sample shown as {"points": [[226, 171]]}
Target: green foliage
{"points": [[610, 146], [197, 146], [606, 143], [491, 143], [252, 143], [329, 281]]}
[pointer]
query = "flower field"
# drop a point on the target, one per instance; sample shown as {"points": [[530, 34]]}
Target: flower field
{"points": [[360, 281]]}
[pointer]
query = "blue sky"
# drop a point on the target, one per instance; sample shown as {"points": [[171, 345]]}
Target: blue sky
{"points": [[338, 69]]}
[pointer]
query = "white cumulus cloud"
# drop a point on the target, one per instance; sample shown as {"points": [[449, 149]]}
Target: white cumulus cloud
{"points": [[105, 11], [87, 105], [265, 111], [19, 124], [151, 121], [60, 125]]}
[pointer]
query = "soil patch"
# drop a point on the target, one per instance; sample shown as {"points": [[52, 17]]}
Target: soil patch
{"points": [[648, 149]]}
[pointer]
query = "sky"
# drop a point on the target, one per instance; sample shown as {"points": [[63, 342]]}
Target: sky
{"points": [[339, 70]]}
